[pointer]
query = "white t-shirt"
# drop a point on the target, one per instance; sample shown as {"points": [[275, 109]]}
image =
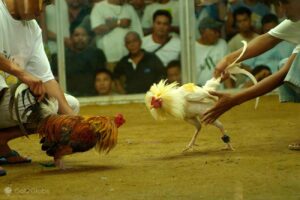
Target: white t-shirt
{"points": [[288, 31], [171, 6], [167, 53], [236, 42], [112, 43], [23, 45], [207, 56]]}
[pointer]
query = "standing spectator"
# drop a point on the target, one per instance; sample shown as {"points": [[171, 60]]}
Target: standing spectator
{"points": [[139, 6], [82, 62], [77, 11], [170, 5], [103, 82], [174, 72], [242, 18], [258, 10], [160, 42], [111, 20], [209, 49], [140, 69]]}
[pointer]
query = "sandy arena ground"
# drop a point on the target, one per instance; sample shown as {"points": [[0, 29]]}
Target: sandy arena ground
{"points": [[148, 164]]}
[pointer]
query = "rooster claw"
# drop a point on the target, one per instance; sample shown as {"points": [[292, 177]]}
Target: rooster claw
{"points": [[189, 147], [228, 147]]}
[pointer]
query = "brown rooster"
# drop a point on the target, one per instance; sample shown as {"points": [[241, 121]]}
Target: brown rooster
{"points": [[65, 134]]}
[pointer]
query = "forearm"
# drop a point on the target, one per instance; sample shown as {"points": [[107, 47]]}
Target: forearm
{"points": [[54, 90], [9, 67], [256, 47], [102, 29], [266, 85]]}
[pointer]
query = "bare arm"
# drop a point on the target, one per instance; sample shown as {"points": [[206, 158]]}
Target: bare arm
{"points": [[110, 25], [227, 101], [54, 90], [256, 47], [35, 85]]}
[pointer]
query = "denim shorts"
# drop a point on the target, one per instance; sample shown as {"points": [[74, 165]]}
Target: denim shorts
{"points": [[290, 90]]}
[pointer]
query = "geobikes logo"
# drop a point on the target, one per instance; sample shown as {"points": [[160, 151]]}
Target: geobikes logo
{"points": [[26, 190]]}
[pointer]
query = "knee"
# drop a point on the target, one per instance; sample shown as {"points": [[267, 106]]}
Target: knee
{"points": [[73, 103]]}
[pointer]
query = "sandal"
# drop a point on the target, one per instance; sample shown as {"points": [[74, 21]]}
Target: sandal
{"points": [[5, 160], [294, 146]]}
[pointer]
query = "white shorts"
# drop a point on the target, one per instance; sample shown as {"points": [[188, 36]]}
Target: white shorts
{"points": [[6, 120]]}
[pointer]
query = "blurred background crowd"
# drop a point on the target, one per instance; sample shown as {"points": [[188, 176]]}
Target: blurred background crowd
{"points": [[124, 46]]}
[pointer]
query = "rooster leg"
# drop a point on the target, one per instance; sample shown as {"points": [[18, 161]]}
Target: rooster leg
{"points": [[61, 151], [197, 124], [225, 138]]}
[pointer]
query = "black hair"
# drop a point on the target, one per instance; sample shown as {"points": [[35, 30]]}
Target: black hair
{"points": [[174, 63], [73, 28], [259, 68], [269, 18], [162, 13], [241, 11], [104, 71]]}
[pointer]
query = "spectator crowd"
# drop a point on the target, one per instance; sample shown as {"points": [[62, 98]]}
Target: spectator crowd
{"points": [[124, 46]]}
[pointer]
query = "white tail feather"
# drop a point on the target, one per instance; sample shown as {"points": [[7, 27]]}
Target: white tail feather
{"points": [[49, 108], [234, 68]]}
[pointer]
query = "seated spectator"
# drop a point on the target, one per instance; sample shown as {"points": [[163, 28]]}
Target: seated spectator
{"points": [[259, 72], [160, 42], [174, 72], [103, 82], [258, 10], [242, 18], [82, 62], [209, 49], [139, 68], [111, 20], [169, 5]]}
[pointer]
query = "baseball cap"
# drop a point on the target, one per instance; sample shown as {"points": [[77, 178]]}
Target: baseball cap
{"points": [[210, 23]]}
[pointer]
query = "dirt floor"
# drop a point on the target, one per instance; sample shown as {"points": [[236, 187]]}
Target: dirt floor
{"points": [[147, 163]]}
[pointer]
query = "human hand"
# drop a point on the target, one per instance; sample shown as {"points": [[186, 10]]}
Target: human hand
{"points": [[220, 69], [111, 22], [36, 86], [124, 23], [224, 103]]}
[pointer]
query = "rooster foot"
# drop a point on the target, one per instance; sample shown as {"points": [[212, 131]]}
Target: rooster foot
{"points": [[60, 164], [189, 147]]}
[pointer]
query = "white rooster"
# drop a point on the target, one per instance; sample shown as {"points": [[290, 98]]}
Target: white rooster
{"points": [[189, 101]]}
